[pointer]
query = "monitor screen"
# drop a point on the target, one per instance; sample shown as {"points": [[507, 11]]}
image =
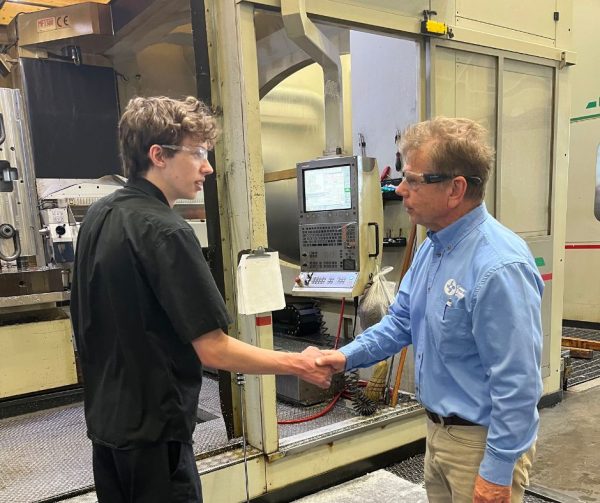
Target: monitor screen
{"points": [[327, 189]]}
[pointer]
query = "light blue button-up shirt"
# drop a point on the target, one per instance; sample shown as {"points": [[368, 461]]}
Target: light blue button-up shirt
{"points": [[471, 306]]}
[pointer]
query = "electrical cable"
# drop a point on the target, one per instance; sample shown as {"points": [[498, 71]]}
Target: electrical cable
{"points": [[314, 416], [241, 380]]}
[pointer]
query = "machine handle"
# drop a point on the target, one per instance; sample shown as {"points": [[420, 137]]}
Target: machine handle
{"points": [[7, 231], [376, 254], [2, 130]]}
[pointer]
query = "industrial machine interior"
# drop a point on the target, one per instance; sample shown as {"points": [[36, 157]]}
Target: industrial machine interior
{"points": [[312, 98]]}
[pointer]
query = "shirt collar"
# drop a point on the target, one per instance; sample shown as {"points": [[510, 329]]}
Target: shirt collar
{"points": [[450, 236], [147, 187]]}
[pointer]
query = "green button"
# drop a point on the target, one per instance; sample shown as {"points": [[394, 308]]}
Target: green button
{"points": [[539, 261]]}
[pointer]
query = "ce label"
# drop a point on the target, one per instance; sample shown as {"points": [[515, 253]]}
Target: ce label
{"points": [[62, 22]]}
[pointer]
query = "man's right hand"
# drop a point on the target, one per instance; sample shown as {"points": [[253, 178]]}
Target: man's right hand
{"points": [[309, 371], [332, 358], [487, 492], [218, 350]]}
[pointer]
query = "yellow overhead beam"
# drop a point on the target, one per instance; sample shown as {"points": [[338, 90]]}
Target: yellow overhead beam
{"points": [[12, 8]]}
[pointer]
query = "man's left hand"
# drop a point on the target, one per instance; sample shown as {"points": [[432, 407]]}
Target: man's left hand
{"points": [[487, 492]]}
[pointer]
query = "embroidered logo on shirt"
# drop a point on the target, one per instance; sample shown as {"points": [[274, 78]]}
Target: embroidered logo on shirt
{"points": [[453, 289], [450, 287]]}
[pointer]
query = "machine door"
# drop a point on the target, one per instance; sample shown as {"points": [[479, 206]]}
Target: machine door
{"points": [[513, 97]]}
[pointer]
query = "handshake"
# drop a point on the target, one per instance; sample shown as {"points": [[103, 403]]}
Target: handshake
{"points": [[317, 366]]}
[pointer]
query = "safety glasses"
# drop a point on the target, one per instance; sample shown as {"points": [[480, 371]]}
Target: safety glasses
{"points": [[199, 153], [414, 180]]}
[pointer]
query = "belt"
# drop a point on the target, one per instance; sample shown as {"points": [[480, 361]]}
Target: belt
{"points": [[449, 420]]}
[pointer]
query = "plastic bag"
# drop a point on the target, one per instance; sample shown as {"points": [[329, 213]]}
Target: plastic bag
{"points": [[374, 304]]}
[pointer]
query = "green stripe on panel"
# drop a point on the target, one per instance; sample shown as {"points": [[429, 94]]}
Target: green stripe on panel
{"points": [[585, 117]]}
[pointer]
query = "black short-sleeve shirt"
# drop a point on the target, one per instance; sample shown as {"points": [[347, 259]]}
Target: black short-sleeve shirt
{"points": [[142, 291]]}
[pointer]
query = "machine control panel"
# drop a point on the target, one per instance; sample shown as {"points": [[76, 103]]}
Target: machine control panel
{"points": [[333, 282], [339, 215]]}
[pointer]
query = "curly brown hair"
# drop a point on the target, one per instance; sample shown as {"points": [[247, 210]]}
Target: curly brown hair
{"points": [[454, 146], [162, 121]]}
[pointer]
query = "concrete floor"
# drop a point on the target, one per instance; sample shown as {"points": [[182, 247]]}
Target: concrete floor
{"points": [[568, 448], [379, 485]]}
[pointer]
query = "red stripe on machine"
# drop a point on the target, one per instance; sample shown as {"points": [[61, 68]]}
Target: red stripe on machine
{"points": [[263, 321], [581, 247], [547, 276]]}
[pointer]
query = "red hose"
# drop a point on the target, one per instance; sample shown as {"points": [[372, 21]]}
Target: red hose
{"points": [[314, 416]]}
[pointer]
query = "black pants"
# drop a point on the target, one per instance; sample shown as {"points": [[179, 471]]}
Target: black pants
{"points": [[164, 473]]}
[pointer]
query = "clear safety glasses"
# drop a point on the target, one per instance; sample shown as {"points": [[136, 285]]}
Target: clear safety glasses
{"points": [[199, 153]]}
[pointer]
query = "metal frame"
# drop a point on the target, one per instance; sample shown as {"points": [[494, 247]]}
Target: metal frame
{"points": [[234, 64], [18, 150], [240, 183], [394, 20]]}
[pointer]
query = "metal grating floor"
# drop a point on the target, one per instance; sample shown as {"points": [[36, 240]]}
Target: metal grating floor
{"points": [[583, 370], [33, 445]]}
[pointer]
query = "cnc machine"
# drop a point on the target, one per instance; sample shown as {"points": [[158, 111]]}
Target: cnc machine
{"points": [[276, 70]]}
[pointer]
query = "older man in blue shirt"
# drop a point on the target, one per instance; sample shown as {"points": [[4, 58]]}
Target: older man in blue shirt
{"points": [[471, 306]]}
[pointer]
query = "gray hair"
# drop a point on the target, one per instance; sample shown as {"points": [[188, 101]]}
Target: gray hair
{"points": [[454, 146]]}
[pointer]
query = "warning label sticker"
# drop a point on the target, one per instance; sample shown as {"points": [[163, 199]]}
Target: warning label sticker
{"points": [[46, 24]]}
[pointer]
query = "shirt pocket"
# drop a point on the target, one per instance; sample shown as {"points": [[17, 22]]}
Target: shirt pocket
{"points": [[454, 337]]}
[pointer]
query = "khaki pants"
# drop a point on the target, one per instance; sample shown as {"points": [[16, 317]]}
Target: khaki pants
{"points": [[452, 461]]}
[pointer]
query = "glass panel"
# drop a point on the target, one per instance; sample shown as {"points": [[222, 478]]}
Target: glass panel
{"points": [[526, 148], [466, 87]]}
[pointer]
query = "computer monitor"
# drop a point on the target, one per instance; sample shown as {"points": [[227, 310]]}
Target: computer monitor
{"points": [[328, 188]]}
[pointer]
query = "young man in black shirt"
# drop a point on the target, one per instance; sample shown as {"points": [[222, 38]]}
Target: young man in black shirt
{"points": [[147, 314]]}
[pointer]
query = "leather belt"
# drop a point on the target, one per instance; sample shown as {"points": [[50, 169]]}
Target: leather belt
{"points": [[448, 420]]}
